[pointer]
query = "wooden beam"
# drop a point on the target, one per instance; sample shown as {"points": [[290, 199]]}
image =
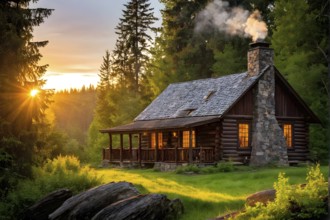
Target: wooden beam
{"points": [[217, 150], [110, 147], [190, 147], [121, 148], [156, 147], [176, 147], [130, 147], [139, 151]]}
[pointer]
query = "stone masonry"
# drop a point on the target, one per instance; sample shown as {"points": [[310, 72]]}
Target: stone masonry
{"points": [[268, 142]]}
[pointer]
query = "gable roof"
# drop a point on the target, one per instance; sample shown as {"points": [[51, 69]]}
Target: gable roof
{"points": [[198, 102], [198, 98]]}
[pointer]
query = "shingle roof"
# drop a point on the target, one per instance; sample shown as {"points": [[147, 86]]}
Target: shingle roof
{"points": [[198, 98]]}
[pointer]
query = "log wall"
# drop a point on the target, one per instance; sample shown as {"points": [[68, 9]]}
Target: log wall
{"points": [[299, 151], [229, 140]]}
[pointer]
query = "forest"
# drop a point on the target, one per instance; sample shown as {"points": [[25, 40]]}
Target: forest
{"points": [[42, 129]]}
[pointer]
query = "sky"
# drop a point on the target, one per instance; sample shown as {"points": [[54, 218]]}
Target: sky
{"points": [[79, 32]]}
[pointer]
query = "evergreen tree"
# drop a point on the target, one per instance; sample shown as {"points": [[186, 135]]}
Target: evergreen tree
{"points": [[106, 83], [20, 114], [123, 90], [299, 57], [181, 53], [132, 47]]}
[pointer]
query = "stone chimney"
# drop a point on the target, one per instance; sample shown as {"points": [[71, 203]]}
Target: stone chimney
{"points": [[259, 56], [268, 142]]}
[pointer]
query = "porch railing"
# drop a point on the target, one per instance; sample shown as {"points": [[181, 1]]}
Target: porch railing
{"points": [[179, 155]]}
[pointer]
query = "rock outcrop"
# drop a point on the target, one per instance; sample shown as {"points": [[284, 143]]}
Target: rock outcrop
{"points": [[110, 201]]}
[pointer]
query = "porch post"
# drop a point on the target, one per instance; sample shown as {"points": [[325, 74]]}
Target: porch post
{"points": [[110, 147], [156, 147], [190, 147], [176, 147], [139, 153], [130, 147], [121, 148]]}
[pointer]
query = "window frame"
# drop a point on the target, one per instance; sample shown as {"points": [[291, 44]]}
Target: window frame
{"points": [[153, 137], [183, 141], [292, 136], [249, 135]]}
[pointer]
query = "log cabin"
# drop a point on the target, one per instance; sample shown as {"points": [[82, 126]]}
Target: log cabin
{"points": [[254, 117]]}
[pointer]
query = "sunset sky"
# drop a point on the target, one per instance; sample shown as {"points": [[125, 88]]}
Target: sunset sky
{"points": [[79, 32]]}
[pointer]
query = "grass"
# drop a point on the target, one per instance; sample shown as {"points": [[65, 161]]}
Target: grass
{"points": [[209, 195]]}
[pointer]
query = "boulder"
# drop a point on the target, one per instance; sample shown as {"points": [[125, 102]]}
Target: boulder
{"points": [[262, 197], [151, 206], [86, 204], [48, 204]]}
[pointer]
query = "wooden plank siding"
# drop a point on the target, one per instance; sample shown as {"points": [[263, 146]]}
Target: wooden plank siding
{"points": [[244, 106], [286, 104]]}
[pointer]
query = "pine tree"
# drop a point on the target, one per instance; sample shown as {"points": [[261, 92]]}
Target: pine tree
{"points": [[105, 85], [299, 57], [181, 53], [20, 114], [19, 67], [132, 47]]}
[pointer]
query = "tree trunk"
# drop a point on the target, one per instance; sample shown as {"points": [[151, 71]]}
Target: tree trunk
{"points": [[152, 206], [86, 204], [47, 205]]}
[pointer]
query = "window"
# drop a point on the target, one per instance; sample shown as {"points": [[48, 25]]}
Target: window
{"points": [[185, 139], [153, 140], [287, 132], [243, 135]]}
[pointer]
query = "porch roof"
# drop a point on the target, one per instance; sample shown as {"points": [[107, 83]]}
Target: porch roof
{"points": [[161, 124]]}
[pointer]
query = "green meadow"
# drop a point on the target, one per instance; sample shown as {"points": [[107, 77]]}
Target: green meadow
{"points": [[206, 195]]}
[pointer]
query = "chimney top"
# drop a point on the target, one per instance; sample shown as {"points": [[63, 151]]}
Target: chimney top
{"points": [[260, 55], [259, 43]]}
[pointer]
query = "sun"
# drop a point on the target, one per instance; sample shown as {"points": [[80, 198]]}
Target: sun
{"points": [[34, 92]]}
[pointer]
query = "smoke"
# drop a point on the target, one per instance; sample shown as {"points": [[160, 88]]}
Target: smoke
{"points": [[233, 21]]}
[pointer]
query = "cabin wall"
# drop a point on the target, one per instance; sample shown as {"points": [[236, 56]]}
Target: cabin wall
{"points": [[241, 112], [208, 136], [145, 140], [230, 150], [287, 110], [299, 151], [244, 106], [286, 104]]}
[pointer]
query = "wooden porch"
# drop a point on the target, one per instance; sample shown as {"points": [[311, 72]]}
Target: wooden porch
{"points": [[169, 155]]}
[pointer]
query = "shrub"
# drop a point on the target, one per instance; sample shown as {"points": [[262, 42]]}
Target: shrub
{"points": [[293, 202], [225, 167], [187, 169], [61, 172], [218, 168]]}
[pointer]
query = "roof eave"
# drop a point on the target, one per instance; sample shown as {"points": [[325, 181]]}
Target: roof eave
{"points": [[129, 128]]}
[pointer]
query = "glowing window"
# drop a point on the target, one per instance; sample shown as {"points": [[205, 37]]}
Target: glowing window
{"points": [[153, 140], [185, 139], [243, 135], [287, 131]]}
